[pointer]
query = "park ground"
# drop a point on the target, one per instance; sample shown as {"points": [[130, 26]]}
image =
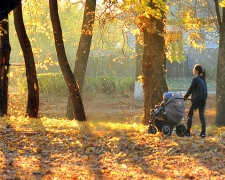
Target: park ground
{"points": [[111, 144]]}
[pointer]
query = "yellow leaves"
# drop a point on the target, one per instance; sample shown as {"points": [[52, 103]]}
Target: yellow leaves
{"points": [[2, 30], [20, 151], [174, 44], [122, 126], [222, 4], [127, 7], [222, 171], [150, 12], [113, 173], [136, 32], [140, 78], [107, 15], [196, 41], [113, 20], [191, 23], [39, 157], [156, 156], [45, 63], [156, 139], [106, 147], [114, 139], [146, 14], [35, 86], [142, 7]]}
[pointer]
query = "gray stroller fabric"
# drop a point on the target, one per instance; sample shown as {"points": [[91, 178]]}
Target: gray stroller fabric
{"points": [[175, 108]]}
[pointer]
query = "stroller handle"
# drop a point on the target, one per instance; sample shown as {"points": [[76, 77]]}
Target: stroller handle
{"points": [[183, 98]]}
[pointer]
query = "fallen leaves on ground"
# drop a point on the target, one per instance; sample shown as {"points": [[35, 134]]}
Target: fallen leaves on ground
{"points": [[57, 148]]}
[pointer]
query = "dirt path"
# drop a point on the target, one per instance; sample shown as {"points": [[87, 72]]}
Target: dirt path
{"points": [[100, 107], [116, 109]]}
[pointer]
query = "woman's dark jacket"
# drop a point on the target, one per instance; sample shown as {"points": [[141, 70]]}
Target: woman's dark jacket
{"points": [[198, 89]]}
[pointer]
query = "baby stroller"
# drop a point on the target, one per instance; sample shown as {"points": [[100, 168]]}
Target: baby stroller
{"points": [[168, 115]]}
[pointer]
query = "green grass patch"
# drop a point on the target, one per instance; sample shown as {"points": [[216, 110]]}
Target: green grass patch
{"points": [[183, 85], [54, 84]]}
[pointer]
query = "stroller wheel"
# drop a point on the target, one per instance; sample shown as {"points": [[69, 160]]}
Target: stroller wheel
{"points": [[152, 130], [167, 130], [180, 130]]}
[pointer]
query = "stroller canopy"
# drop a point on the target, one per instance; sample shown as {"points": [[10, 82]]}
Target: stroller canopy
{"points": [[175, 108]]}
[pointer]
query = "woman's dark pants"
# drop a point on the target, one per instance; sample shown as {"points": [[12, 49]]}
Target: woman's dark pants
{"points": [[200, 105]]}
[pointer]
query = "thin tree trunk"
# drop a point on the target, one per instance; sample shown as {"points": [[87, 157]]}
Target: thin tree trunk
{"points": [[83, 49], [139, 55], [73, 88], [138, 88], [4, 64], [220, 82], [153, 66], [32, 82]]}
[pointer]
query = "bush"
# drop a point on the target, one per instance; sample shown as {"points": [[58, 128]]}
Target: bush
{"points": [[108, 85], [54, 84]]}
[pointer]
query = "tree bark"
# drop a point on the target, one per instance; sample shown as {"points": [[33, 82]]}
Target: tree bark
{"points": [[153, 65], [4, 64], [83, 49], [73, 88], [220, 81], [32, 82]]}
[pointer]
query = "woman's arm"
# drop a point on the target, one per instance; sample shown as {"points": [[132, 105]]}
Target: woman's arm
{"points": [[191, 89]]}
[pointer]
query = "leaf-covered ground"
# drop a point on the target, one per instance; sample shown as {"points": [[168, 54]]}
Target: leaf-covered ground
{"points": [[112, 144]]}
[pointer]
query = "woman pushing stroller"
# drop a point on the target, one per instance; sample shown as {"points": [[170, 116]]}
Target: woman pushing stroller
{"points": [[198, 89]]}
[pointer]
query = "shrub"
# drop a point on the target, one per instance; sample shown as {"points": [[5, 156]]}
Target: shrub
{"points": [[52, 84]]}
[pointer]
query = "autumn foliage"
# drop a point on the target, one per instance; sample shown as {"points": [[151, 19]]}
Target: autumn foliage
{"points": [[106, 146], [113, 143]]}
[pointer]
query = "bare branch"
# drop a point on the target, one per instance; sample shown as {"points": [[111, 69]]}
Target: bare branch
{"points": [[212, 13]]}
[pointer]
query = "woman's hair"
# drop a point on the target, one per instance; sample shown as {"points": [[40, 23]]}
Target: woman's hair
{"points": [[201, 71]]}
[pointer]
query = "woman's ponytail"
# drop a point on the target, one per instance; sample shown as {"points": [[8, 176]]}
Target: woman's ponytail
{"points": [[203, 73], [201, 70]]}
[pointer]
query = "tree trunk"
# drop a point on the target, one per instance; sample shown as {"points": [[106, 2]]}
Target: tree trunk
{"points": [[85, 42], [4, 64], [83, 49], [138, 89], [153, 66], [220, 82], [73, 88], [32, 82], [139, 55], [7, 6]]}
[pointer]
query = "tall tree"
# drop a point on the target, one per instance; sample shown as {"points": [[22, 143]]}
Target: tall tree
{"points": [[73, 88], [32, 82], [154, 60], [4, 65], [83, 48], [220, 82]]}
